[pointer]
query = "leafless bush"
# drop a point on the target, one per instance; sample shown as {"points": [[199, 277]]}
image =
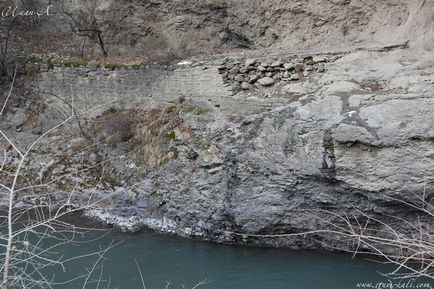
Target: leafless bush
{"points": [[17, 35], [85, 24], [152, 133], [116, 127], [406, 243], [30, 225]]}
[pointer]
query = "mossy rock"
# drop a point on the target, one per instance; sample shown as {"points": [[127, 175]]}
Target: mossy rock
{"points": [[170, 109], [112, 66], [170, 136], [200, 111]]}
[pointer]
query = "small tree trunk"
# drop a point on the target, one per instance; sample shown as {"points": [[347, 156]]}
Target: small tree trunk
{"points": [[7, 262], [101, 44]]}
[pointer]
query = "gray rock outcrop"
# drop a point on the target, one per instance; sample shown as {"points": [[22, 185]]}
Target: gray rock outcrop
{"points": [[229, 146], [179, 28], [346, 141]]}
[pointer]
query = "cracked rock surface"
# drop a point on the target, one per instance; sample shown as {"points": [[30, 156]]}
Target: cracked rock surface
{"points": [[345, 141], [321, 122]]}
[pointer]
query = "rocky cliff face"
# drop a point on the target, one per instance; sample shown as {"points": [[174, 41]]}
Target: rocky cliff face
{"points": [[156, 28], [351, 133], [196, 26]]}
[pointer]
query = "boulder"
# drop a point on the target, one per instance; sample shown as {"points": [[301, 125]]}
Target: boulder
{"points": [[234, 70], [288, 66], [276, 63], [295, 76], [250, 62], [266, 81], [317, 59], [246, 86]]}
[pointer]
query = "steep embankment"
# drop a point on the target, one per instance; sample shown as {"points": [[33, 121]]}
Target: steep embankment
{"points": [[243, 142], [174, 28]]}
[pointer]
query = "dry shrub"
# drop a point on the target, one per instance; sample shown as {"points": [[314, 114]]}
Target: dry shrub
{"points": [[116, 127], [153, 133], [157, 135]]}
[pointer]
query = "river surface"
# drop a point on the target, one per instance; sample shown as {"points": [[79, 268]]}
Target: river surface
{"points": [[164, 258]]}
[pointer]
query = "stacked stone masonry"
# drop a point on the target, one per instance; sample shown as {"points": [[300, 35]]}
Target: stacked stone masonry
{"points": [[253, 73]]}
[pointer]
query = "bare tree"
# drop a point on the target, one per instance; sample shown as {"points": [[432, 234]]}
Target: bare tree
{"points": [[33, 232], [407, 243], [84, 23], [5, 37], [17, 34]]}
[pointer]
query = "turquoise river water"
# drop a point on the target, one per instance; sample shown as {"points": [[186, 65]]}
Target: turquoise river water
{"points": [[164, 258]]}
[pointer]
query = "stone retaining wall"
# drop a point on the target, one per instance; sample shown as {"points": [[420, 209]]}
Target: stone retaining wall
{"points": [[256, 73]]}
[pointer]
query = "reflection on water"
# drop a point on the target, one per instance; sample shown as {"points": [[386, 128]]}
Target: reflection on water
{"points": [[183, 262], [165, 258]]}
